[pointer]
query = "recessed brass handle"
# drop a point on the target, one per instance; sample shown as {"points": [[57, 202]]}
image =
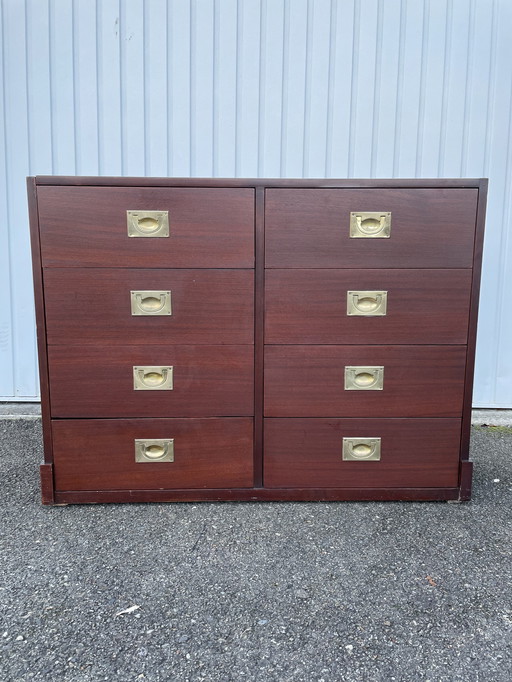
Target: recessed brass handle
{"points": [[154, 450], [151, 302], [367, 303], [357, 449], [147, 223], [368, 224], [153, 378], [364, 378]]}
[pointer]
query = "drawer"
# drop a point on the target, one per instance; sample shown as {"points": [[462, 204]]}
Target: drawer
{"points": [[100, 454], [85, 305], [307, 453], [423, 306], [310, 228], [208, 228], [205, 381], [387, 381]]}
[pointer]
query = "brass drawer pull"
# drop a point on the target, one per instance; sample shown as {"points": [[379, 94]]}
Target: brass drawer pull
{"points": [[368, 224], [151, 302], [154, 450], [152, 378], [367, 303], [364, 378], [355, 449], [147, 223]]}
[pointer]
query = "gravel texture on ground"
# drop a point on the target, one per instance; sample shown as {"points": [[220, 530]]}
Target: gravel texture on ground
{"points": [[262, 592]]}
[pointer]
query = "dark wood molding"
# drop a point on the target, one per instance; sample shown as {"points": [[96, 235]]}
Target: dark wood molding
{"points": [[47, 484], [260, 495], [466, 477], [472, 332], [117, 181]]}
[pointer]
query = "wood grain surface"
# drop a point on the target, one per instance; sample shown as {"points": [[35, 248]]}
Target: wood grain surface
{"points": [[42, 356], [414, 453], [85, 305], [160, 495], [305, 183], [224, 312], [100, 454], [259, 335], [209, 381], [430, 228], [310, 306], [419, 381], [209, 227], [472, 336]]}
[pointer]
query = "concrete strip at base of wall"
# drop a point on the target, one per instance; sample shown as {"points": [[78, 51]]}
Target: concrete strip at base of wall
{"points": [[20, 410]]}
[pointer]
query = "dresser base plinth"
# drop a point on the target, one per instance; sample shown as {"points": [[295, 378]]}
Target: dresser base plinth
{"points": [[47, 489], [260, 495]]}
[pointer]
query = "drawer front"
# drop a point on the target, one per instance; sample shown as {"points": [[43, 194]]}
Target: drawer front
{"points": [[429, 228], [85, 305], [208, 228], [307, 453], [100, 454], [423, 306], [364, 381], [180, 381]]}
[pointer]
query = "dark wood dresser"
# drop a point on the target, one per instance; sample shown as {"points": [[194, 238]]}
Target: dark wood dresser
{"points": [[207, 339]]}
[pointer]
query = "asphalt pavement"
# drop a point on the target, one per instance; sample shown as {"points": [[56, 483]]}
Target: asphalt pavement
{"points": [[256, 592]]}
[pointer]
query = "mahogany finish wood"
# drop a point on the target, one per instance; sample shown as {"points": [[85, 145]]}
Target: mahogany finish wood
{"points": [[100, 453], [259, 495], [47, 487], [466, 476], [42, 356], [414, 452], [93, 305], [304, 183], [259, 340], [309, 381], [209, 381], [423, 307], [472, 331], [430, 228], [208, 228], [226, 306]]}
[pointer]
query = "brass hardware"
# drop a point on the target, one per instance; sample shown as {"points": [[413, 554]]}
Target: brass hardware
{"points": [[154, 450], [367, 303], [367, 224], [151, 302], [147, 223], [364, 378], [361, 449], [152, 379]]}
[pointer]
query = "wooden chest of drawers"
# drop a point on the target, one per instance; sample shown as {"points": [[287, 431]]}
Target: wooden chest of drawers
{"points": [[256, 339]]}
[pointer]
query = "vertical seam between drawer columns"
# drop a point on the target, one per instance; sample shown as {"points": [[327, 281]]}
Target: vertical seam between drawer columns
{"points": [[259, 314]]}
